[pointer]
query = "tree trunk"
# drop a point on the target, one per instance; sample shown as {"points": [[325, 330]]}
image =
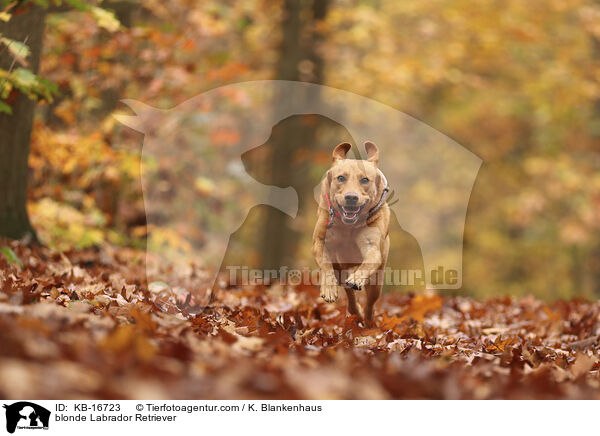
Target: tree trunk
{"points": [[15, 129], [592, 274], [279, 240]]}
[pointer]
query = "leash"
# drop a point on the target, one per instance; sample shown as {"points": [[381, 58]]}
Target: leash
{"points": [[334, 212]]}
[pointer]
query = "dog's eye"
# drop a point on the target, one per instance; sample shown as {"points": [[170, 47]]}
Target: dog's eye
{"points": [[364, 180], [341, 179]]}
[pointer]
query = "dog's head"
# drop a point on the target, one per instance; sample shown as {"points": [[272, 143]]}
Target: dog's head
{"points": [[354, 186]]}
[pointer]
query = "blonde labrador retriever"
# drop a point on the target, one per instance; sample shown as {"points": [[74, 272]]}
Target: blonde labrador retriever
{"points": [[351, 241]]}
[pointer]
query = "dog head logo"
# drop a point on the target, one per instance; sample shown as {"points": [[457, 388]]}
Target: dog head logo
{"points": [[431, 175], [26, 415]]}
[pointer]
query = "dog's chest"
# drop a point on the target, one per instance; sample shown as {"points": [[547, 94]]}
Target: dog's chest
{"points": [[342, 247]]}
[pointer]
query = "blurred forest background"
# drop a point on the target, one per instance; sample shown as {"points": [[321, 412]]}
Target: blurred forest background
{"points": [[515, 82]]}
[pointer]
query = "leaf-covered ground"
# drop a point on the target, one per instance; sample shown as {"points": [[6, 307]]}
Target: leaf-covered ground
{"points": [[85, 325]]}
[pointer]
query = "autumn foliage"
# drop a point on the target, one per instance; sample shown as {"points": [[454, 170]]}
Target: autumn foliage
{"points": [[83, 324], [515, 82]]}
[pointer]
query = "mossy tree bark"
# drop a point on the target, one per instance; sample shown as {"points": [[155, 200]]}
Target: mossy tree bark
{"points": [[15, 130]]}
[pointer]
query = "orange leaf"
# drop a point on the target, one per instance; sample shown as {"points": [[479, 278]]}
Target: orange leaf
{"points": [[417, 309]]}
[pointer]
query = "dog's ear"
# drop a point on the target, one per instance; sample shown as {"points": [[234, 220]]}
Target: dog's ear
{"points": [[372, 152], [340, 152]]}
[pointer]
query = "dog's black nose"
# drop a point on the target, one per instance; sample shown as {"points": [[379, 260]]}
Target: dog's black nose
{"points": [[351, 198]]}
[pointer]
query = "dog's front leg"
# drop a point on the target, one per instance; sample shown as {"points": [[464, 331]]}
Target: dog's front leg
{"points": [[369, 244], [330, 287]]}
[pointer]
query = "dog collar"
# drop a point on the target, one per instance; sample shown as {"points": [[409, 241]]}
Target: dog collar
{"points": [[384, 195], [334, 212]]}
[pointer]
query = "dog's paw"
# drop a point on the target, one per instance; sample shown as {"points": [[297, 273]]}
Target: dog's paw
{"points": [[330, 293], [357, 280]]}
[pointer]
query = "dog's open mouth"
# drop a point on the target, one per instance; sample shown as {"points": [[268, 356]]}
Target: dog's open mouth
{"points": [[350, 213]]}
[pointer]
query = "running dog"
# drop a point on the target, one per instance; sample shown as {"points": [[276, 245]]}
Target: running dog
{"points": [[351, 241]]}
